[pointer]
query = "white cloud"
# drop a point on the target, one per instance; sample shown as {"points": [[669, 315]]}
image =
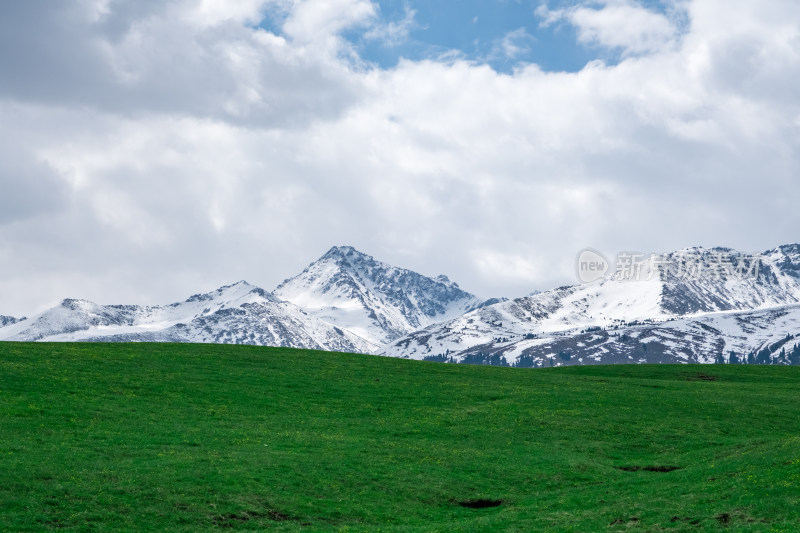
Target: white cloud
{"points": [[394, 33], [227, 152], [509, 266], [619, 24], [96, 9], [318, 20], [515, 43], [206, 13]]}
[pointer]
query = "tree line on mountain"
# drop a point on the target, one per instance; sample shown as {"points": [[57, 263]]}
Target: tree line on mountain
{"points": [[769, 355], [497, 359]]}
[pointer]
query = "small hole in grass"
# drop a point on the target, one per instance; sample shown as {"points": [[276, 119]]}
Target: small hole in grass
{"points": [[723, 518], [648, 468], [480, 503]]}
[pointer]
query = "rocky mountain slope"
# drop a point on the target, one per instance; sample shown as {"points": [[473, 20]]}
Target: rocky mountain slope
{"points": [[374, 300], [728, 336], [689, 283], [240, 313], [6, 320]]}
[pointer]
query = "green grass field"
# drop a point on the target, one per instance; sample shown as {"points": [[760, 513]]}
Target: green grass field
{"points": [[157, 437]]}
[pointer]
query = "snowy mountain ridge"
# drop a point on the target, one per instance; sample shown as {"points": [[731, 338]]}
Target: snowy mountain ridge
{"points": [[239, 314], [661, 292], [377, 301], [6, 320], [344, 301], [772, 334], [693, 305]]}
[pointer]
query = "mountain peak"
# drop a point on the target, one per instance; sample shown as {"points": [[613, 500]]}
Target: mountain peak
{"points": [[8, 320], [77, 304], [787, 249], [239, 284], [344, 252], [232, 291], [375, 300]]}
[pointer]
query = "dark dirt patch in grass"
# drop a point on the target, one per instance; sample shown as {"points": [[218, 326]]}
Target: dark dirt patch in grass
{"points": [[480, 503], [701, 376], [618, 521], [659, 468], [693, 521], [228, 520], [276, 516]]}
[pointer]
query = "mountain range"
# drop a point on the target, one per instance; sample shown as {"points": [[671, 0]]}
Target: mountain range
{"points": [[694, 305], [596, 322]]}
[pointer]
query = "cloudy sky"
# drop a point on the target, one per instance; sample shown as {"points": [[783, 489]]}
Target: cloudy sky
{"points": [[153, 149]]}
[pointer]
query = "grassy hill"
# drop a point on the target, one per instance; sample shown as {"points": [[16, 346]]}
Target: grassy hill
{"points": [[157, 437]]}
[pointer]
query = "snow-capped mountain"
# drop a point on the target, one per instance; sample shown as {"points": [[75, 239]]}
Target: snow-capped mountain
{"points": [[374, 300], [694, 305], [240, 313], [345, 301], [686, 283], [705, 338], [6, 320], [720, 279]]}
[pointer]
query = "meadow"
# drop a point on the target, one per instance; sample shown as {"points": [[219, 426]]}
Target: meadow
{"points": [[187, 438]]}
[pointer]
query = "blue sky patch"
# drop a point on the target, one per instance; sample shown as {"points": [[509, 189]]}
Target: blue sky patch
{"points": [[501, 33]]}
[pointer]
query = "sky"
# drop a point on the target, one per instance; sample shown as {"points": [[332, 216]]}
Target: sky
{"points": [[150, 150]]}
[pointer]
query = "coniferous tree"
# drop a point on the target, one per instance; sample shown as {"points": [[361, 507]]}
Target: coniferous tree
{"points": [[764, 357], [794, 357]]}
